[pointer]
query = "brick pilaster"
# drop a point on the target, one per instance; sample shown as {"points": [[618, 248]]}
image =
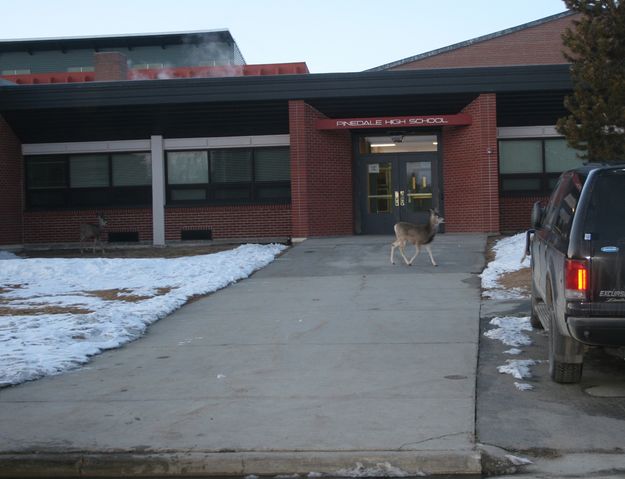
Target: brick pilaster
{"points": [[471, 170]]}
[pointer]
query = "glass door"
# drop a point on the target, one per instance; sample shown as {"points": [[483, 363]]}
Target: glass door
{"points": [[394, 188], [416, 195], [378, 180]]}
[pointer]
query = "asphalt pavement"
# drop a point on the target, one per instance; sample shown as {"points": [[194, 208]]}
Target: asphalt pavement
{"points": [[565, 430], [330, 360]]}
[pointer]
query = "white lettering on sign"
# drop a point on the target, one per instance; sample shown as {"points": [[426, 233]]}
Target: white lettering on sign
{"points": [[353, 123], [392, 122], [427, 121]]}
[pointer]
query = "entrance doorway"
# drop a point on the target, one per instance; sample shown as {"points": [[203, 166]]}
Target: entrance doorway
{"points": [[394, 187]]}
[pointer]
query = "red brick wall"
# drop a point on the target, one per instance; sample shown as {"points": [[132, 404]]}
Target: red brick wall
{"points": [[110, 66], [516, 212], [538, 45], [470, 170], [11, 186], [64, 226], [321, 176], [249, 221]]}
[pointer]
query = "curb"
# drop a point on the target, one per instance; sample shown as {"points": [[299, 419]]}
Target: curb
{"points": [[198, 464]]}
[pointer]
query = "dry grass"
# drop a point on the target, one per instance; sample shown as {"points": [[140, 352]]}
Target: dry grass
{"points": [[124, 294], [139, 252], [35, 311], [517, 279]]}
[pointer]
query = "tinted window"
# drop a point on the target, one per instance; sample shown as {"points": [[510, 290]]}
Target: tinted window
{"points": [[606, 210]]}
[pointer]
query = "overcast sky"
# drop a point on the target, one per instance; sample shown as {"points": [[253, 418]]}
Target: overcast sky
{"points": [[329, 35]]}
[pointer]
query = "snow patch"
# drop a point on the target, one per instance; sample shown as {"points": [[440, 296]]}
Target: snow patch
{"points": [[380, 469], [8, 255], [523, 386], [517, 368], [508, 258], [518, 461], [510, 330], [70, 309]]}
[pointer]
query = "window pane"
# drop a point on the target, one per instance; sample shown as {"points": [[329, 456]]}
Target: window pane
{"points": [[187, 167], [188, 195], [520, 184], [45, 173], [523, 156], [560, 157], [241, 193], [132, 169], [46, 198], [89, 171], [273, 192], [272, 164], [231, 166], [398, 143]]}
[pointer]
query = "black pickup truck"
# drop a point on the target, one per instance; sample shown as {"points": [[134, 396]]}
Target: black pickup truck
{"points": [[578, 267]]}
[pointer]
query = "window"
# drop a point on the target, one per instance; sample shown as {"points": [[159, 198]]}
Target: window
{"points": [[94, 180], [235, 175], [533, 166], [80, 69], [19, 71], [145, 66]]}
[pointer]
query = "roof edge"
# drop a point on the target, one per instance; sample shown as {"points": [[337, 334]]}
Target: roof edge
{"points": [[472, 41], [113, 36]]}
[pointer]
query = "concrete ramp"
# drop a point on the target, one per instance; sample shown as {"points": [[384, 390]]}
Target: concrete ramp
{"points": [[329, 360]]}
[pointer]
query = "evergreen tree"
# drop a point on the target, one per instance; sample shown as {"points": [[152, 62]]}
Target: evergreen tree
{"points": [[596, 50]]}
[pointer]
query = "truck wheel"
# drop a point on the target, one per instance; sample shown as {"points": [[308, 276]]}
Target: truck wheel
{"points": [[562, 372], [534, 319]]}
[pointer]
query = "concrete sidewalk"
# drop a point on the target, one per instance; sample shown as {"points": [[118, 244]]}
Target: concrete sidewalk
{"points": [[327, 358]]}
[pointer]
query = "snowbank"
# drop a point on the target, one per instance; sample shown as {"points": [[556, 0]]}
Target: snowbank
{"points": [[65, 310], [508, 255]]}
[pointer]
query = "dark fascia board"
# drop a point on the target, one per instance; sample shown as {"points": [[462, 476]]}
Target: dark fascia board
{"points": [[473, 41], [115, 41], [286, 87]]}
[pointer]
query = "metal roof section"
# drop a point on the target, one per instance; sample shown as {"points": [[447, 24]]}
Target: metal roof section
{"points": [[472, 41], [287, 87], [113, 41]]}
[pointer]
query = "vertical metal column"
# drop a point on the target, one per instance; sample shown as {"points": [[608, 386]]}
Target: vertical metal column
{"points": [[158, 190]]}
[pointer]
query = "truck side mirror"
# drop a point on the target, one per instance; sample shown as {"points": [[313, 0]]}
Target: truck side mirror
{"points": [[537, 215]]}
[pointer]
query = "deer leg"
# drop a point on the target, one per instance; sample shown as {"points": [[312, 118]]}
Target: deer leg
{"points": [[417, 251], [401, 250], [393, 246], [427, 247]]}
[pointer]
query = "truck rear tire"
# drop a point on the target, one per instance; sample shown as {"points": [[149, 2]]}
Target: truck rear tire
{"points": [[562, 372]]}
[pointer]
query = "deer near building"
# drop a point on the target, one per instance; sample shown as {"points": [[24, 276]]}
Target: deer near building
{"points": [[418, 235], [92, 231]]}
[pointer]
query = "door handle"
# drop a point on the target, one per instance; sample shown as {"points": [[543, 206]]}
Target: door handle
{"points": [[397, 198], [401, 198]]}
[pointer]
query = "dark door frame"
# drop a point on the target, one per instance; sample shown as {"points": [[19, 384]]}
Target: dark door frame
{"points": [[360, 187]]}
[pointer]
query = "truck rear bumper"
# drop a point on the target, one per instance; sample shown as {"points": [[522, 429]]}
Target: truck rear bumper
{"points": [[598, 331]]}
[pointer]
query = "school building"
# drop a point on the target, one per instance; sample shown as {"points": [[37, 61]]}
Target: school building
{"points": [[174, 137]]}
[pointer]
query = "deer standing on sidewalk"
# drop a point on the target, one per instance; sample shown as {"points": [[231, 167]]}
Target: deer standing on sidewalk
{"points": [[418, 235], [93, 231]]}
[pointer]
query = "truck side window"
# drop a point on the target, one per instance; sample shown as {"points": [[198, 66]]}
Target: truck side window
{"points": [[566, 209], [555, 201]]}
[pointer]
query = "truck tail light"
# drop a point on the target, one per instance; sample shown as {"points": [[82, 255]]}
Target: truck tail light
{"points": [[576, 276]]}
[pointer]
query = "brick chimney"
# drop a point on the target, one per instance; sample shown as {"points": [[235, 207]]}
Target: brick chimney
{"points": [[110, 66]]}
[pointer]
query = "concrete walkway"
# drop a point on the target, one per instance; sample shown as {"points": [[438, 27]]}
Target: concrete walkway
{"points": [[327, 358]]}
